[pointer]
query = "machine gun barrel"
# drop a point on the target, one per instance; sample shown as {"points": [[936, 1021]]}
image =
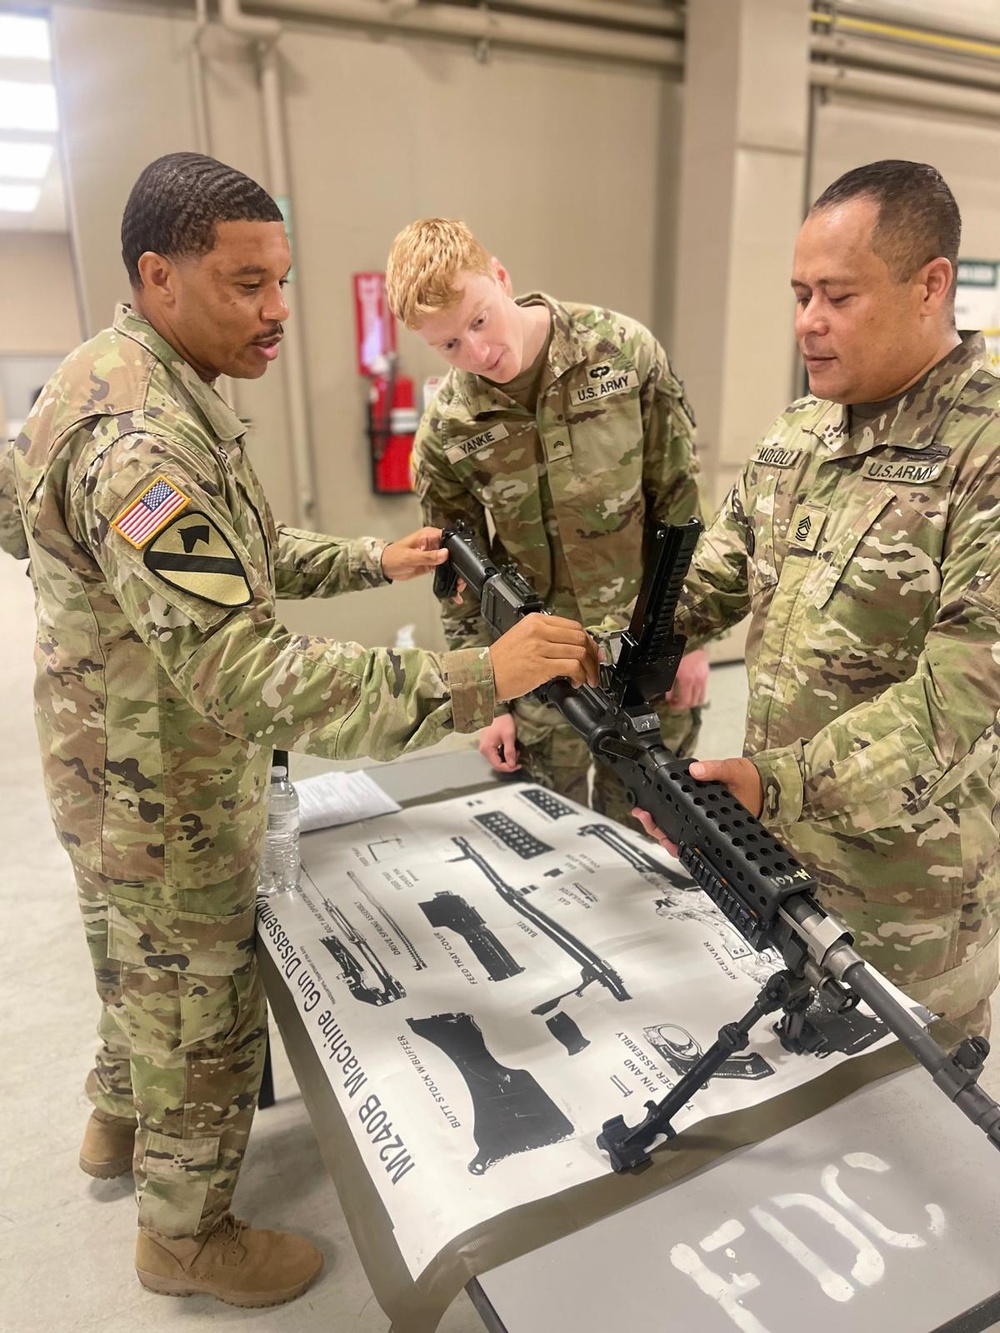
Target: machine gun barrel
{"points": [[758, 885]]}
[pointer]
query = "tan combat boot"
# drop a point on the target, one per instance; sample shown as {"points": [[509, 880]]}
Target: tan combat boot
{"points": [[107, 1147], [233, 1262]]}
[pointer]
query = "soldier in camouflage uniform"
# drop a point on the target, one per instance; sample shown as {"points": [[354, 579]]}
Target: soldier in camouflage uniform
{"points": [[861, 539], [558, 436], [165, 680]]}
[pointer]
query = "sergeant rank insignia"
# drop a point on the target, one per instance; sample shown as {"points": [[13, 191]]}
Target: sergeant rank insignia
{"points": [[193, 555]]}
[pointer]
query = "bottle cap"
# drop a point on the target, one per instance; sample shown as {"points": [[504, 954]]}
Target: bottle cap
{"points": [[278, 772]]}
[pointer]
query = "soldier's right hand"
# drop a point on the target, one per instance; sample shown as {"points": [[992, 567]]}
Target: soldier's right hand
{"points": [[498, 743], [538, 649]]}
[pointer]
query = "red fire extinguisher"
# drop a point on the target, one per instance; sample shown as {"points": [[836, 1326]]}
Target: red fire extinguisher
{"points": [[392, 424], [392, 414]]}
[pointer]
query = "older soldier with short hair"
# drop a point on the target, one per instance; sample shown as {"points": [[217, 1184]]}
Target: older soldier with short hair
{"points": [[862, 541], [164, 681], [559, 435]]}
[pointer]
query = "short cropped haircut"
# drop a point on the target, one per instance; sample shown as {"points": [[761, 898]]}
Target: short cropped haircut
{"points": [[424, 265], [918, 219], [177, 203]]}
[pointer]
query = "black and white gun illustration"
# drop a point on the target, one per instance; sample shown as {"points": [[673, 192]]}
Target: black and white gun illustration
{"points": [[639, 860], [449, 911], [360, 965], [592, 968]]}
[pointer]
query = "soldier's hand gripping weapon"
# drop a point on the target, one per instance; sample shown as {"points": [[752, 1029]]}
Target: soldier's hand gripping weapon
{"points": [[755, 882]]}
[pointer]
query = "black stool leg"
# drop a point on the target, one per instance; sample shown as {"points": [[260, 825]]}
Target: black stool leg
{"points": [[266, 1095]]}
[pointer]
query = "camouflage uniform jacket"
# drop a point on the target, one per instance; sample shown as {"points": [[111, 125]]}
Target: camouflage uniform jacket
{"points": [[13, 538], [164, 678], [569, 488], [868, 560]]}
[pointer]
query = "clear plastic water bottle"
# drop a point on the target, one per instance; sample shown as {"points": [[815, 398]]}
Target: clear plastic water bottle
{"points": [[279, 870]]}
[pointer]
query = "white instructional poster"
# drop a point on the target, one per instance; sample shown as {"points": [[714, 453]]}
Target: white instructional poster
{"points": [[489, 979]]}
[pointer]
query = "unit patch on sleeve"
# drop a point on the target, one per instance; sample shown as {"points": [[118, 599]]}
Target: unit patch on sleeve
{"points": [[193, 555], [153, 510]]}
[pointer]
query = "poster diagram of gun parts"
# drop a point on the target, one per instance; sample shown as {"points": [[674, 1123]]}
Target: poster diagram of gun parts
{"points": [[487, 980]]}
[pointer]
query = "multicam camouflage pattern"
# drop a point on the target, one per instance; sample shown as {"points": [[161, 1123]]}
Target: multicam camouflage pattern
{"points": [[13, 538], [565, 492], [158, 708], [866, 553], [162, 687], [184, 1049]]}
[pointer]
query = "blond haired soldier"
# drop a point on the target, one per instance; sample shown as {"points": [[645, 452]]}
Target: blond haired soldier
{"points": [[559, 435], [164, 681], [861, 539]]}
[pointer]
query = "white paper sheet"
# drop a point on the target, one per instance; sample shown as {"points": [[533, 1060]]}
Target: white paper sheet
{"points": [[488, 979], [341, 798]]}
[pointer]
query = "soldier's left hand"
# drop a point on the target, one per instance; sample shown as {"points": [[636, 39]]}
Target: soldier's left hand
{"points": [[740, 776], [690, 687], [419, 553]]}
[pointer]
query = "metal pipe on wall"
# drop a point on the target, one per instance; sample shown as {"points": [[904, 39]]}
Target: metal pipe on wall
{"points": [[607, 15], [909, 92], [966, 33], [264, 33], [202, 131], [853, 52], [485, 25]]}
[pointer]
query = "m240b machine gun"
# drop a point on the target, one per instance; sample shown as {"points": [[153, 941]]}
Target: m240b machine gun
{"points": [[755, 882]]}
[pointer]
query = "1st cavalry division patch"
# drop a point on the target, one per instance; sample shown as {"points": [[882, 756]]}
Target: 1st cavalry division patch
{"points": [[193, 555]]}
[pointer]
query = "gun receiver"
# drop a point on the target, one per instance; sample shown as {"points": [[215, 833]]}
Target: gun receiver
{"points": [[755, 882]]}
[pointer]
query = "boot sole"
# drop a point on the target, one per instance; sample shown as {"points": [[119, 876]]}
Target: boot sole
{"points": [[171, 1287], [122, 1166], [168, 1286]]}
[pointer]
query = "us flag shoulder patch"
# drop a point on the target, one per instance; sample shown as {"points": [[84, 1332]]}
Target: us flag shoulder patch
{"points": [[153, 510]]}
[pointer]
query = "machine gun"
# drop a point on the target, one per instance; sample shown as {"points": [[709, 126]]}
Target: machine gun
{"points": [[755, 882]]}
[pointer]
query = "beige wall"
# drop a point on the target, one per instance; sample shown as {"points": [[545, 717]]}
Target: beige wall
{"points": [[557, 161], [40, 316], [966, 152]]}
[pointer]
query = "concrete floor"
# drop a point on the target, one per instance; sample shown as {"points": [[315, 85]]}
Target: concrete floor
{"points": [[66, 1241]]}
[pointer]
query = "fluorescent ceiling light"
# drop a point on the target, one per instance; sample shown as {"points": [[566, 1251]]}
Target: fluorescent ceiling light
{"points": [[19, 198], [24, 161], [28, 106], [24, 38]]}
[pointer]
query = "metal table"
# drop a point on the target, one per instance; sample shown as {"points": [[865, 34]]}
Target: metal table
{"points": [[879, 1215]]}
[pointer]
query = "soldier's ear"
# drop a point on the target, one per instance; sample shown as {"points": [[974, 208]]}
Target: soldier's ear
{"points": [[938, 280], [159, 277], [502, 276]]}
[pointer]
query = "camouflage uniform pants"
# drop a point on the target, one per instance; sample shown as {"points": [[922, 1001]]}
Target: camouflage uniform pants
{"points": [[183, 1052], [554, 755]]}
